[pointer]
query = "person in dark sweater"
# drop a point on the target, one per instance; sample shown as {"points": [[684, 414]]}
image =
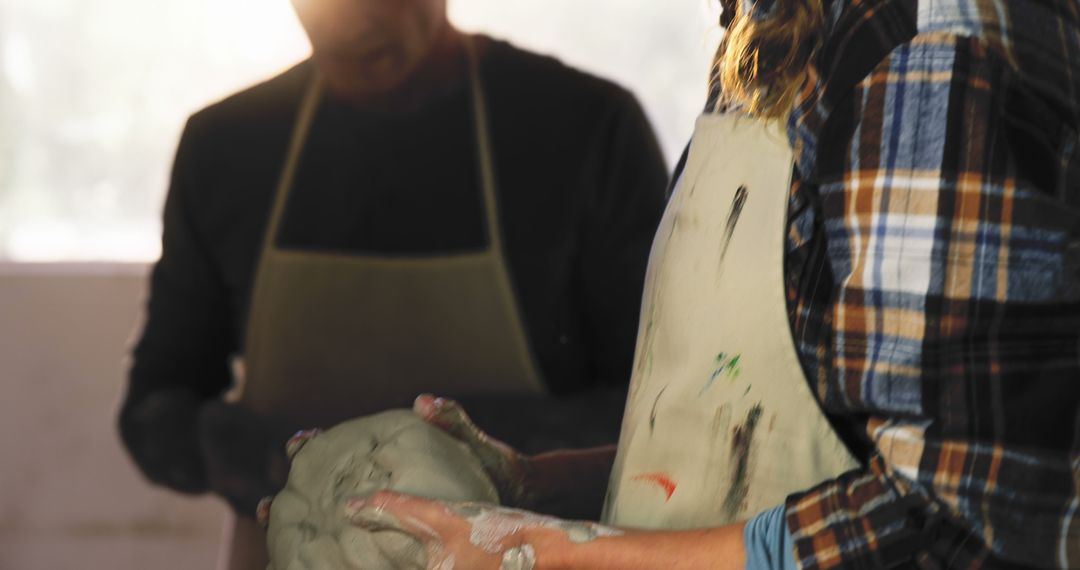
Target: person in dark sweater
{"points": [[413, 209]]}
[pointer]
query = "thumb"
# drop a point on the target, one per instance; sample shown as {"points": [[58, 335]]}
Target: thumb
{"points": [[507, 467]]}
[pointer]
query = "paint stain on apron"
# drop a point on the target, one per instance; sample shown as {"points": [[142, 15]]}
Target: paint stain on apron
{"points": [[719, 402], [663, 480], [742, 441], [737, 204], [652, 415]]}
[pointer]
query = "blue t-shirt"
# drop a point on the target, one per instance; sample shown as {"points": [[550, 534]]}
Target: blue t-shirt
{"points": [[768, 542]]}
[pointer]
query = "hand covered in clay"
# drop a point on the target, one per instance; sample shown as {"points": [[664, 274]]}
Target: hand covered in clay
{"points": [[508, 469], [244, 454], [308, 523], [470, 536]]}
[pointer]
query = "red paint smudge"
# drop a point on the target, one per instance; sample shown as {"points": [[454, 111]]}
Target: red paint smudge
{"points": [[662, 479]]}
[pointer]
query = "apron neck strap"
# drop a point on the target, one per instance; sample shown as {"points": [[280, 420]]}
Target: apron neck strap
{"points": [[483, 147], [309, 106]]}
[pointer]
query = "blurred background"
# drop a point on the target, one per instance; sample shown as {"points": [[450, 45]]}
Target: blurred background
{"points": [[93, 95]]}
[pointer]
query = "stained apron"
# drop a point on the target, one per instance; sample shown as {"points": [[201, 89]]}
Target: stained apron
{"points": [[335, 336], [720, 422]]}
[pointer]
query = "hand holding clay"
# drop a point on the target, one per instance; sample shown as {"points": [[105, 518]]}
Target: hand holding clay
{"points": [[310, 525], [470, 535], [508, 469], [243, 453]]}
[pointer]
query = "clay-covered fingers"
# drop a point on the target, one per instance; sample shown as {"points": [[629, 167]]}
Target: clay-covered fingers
{"points": [[387, 510], [298, 441], [262, 512], [292, 447], [427, 521], [508, 468], [458, 535], [449, 416]]}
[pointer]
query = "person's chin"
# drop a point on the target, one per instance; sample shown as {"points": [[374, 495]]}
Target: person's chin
{"points": [[364, 89]]}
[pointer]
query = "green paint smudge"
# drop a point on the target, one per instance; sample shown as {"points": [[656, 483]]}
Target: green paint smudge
{"points": [[725, 366], [652, 414]]}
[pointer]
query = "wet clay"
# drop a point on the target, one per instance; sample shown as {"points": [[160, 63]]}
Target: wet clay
{"points": [[491, 526], [519, 558], [395, 450]]}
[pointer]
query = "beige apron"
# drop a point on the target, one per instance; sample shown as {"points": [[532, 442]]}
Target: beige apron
{"points": [[720, 423], [335, 336]]}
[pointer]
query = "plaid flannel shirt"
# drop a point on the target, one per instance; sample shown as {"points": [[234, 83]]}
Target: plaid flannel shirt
{"points": [[934, 282]]}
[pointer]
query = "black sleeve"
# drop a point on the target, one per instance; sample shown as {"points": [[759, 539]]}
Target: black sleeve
{"points": [[629, 191], [181, 359]]}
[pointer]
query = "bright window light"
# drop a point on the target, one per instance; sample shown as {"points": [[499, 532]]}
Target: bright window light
{"points": [[93, 94]]}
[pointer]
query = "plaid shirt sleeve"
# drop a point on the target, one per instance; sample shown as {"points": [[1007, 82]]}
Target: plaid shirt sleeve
{"points": [[934, 280]]}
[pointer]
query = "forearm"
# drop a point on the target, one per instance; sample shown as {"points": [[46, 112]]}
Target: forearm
{"points": [[570, 483], [159, 431], [158, 420], [708, 549]]}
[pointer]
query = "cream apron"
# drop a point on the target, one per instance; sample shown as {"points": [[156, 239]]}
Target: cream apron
{"points": [[336, 336], [720, 423]]}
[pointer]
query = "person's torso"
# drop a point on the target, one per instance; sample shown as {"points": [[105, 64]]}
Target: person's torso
{"points": [[960, 362], [1040, 112], [409, 185]]}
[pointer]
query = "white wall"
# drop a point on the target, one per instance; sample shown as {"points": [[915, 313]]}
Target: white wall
{"points": [[659, 49], [69, 495]]}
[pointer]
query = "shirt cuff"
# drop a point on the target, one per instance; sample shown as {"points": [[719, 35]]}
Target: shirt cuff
{"points": [[768, 542]]}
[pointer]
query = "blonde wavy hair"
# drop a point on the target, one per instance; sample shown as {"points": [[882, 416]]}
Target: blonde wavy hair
{"points": [[764, 59]]}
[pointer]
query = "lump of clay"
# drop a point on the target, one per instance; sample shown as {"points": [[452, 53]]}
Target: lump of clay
{"points": [[393, 450]]}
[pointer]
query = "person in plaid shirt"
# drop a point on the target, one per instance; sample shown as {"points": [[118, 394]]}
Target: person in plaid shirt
{"points": [[934, 284], [933, 276]]}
